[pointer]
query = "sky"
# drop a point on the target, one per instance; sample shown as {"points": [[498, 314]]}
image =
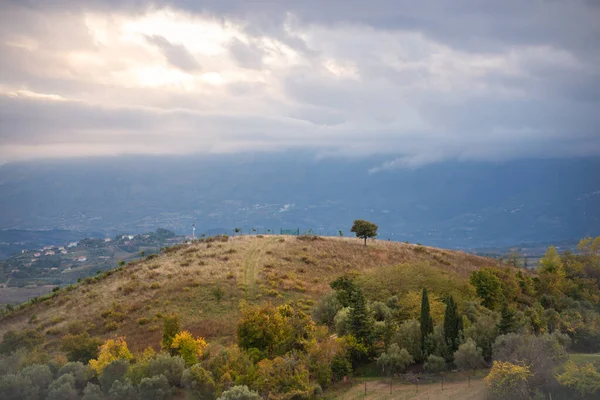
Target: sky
{"points": [[412, 82]]}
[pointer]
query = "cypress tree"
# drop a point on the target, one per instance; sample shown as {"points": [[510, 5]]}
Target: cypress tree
{"points": [[426, 320], [452, 325]]}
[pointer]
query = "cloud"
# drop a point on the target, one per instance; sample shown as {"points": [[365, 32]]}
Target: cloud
{"points": [[420, 84], [177, 55]]}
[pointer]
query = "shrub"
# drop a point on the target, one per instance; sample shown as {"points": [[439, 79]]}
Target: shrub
{"points": [[435, 364], [63, 388], [143, 321], [92, 392], [113, 349], [188, 348], [112, 373], [17, 387], [155, 388], [78, 370], [80, 347], [28, 339], [239, 393], [508, 381], [395, 359], [199, 381], [40, 377], [154, 285], [468, 356], [122, 389], [170, 367]]}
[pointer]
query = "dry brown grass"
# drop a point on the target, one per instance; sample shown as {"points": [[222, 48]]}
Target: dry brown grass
{"points": [[247, 269]]}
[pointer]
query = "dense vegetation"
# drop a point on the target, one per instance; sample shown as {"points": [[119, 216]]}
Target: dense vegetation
{"points": [[411, 317]]}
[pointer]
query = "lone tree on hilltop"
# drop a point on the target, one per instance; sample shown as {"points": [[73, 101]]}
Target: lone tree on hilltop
{"points": [[364, 229]]}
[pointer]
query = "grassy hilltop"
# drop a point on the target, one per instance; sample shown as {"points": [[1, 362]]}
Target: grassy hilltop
{"points": [[205, 283], [298, 318]]}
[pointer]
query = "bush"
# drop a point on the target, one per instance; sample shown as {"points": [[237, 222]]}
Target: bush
{"points": [[508, 381], [27, 339], [394, 360], [239, 393], [111, 373], [122, 389], [17, 387], [189, 349], [468, 356], [155, 388], [435, 364], [199, 381], [113, 349], [170, 367], [63, 388], [79, 372], [80, 347], [92, 392], [40, 377]]}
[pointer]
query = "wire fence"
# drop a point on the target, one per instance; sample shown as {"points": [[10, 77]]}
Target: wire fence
{"points": [[414, 387]]}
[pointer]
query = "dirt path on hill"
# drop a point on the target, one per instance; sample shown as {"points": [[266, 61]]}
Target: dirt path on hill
{"points": [[251, 268]]}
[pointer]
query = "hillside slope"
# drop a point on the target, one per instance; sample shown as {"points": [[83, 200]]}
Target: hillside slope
{"points": [[205, 283]]}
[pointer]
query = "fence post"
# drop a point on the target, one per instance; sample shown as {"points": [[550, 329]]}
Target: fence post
{"points": [[442, 382], [391, 381], [365, 389]]}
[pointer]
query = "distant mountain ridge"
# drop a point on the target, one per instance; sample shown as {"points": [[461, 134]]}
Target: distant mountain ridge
{"points": [[452, 204]]}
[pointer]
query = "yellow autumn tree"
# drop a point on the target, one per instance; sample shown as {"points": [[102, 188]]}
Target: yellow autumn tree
{"points": [[111, 350], [509, 381], [188, 347]]}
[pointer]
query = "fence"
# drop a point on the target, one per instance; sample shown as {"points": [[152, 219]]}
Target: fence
{"points": [[450, 387]]}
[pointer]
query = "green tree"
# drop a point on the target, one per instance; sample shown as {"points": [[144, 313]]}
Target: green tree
{"points": [[488, 287], [585, 379], [394, 360], [426, 320], [468, 356], [508, 320], [361, 324], [364, 229], [80, 347], [239, 393], [452, 325], [171, 327], [551, 273], [408, 336]]}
